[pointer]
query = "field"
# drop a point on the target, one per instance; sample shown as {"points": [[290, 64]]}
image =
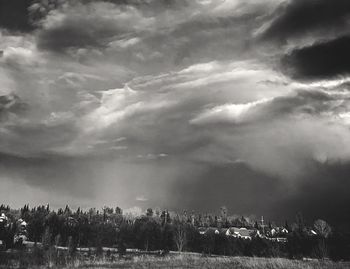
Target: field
{"points": [[59, 258], [197, 262], [193, 262]]}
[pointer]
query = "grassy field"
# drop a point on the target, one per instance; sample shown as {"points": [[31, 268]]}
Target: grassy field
{"points": [[185, 261], [174, 260]]}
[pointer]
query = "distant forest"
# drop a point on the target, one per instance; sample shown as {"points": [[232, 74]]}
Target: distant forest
{"points": [[168, 231]]}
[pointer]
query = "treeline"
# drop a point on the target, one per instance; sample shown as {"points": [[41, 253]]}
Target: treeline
{"points": [[161, 230]]}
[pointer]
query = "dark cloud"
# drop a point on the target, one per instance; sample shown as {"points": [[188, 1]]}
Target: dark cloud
{"points": [[323, 60], [79, 29], [26, 15], [71, 35], [299, 17], [88, 26], [206, 37], [49, 172], [38, 138], [11, 104], [179, 30], [323, 194], [14, 15], [237, 186]]}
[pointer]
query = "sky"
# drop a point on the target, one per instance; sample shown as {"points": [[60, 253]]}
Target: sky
{"points": [[181, 104]]}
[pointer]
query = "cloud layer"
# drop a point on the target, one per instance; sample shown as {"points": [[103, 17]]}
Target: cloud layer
{"points": [[176, 103]]}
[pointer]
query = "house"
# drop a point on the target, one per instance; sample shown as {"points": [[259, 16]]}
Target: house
{"points": [[3, 220], [312, 232], [283, 230], [243, 233], [278, 231], [278, 239], [202, 230], [207, 230], [21, 233]]}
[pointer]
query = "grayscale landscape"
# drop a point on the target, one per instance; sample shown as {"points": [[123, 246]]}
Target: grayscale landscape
{"points": [[174, 134]]}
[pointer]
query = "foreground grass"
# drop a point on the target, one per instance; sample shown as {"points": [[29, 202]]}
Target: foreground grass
{"points": [[185, 261]]}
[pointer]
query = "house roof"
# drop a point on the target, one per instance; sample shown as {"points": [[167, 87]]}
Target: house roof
{"points": [[204, 230], [242, 231]]}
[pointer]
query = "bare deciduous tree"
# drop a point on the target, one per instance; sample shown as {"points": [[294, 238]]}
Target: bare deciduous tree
{"points": [[320, 250], [322, 228], [180, 237]]}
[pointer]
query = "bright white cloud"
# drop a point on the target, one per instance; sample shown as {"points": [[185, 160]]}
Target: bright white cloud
{"points": [[234, 113]]}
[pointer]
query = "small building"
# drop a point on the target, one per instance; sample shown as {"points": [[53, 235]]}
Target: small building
{"points": [[3, 220], [208, 230], [277, 231], [278, 239], [243, 233]]}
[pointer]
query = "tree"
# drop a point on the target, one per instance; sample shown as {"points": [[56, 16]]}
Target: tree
{"points": [[320, 251], [208, 243], [58, 240], [165, 217], [300, 222], [125, 236], [157, 212], [46, 239], [118, 211], [149, 212], [36, 224], [322, 228], [99, 248], [147, 233], [67, 211], [180, 237], [167, 237], [223, 214], [50, 252], [256, 225], [270, 225], [71, 246], [286, 225], [243, 222]]}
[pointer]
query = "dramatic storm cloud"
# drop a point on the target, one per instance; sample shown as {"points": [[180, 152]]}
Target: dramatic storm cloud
{"points": [[323, 60], [178, 104], [298, 18]]}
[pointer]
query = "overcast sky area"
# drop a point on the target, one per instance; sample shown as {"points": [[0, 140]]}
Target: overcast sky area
{"points": [[182, 104]]}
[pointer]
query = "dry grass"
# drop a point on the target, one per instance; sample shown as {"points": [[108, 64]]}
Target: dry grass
{"points": [[193, 262]]}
